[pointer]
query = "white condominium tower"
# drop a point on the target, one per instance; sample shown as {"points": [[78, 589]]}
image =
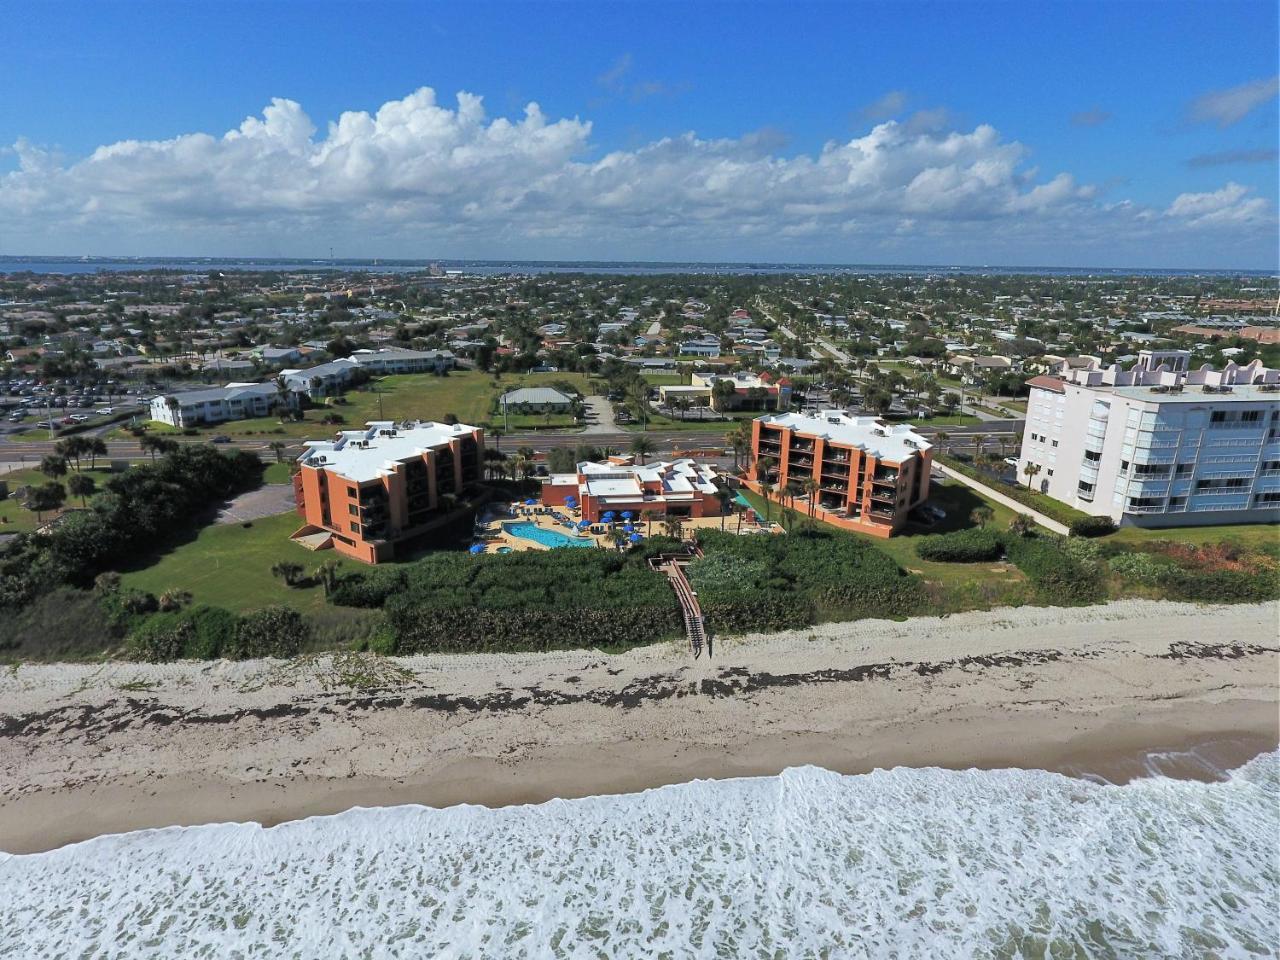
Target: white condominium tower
{"points": [[1159, 444]]}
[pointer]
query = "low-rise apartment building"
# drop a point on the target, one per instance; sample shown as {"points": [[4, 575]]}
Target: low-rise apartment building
{"points": [[680, 488], [859, 473], [400, 360], [368, 490], [1158, 444], [739, 391], [235, 401]]}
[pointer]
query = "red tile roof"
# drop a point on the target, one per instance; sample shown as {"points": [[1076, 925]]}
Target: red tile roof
{"points": [[1047, 383]]}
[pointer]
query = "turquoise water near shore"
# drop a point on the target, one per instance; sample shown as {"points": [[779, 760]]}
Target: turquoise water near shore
{"points": [[904, 863]]}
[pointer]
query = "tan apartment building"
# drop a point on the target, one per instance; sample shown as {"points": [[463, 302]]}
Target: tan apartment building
{"points": [[869, 474]]}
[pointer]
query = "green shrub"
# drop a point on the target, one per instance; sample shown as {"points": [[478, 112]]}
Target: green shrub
{"points": [[1092, 527], [215, 631], [161, 638], [1144, 568], [270, 632], [976, 545], [1059, 577], [1221, 586]]}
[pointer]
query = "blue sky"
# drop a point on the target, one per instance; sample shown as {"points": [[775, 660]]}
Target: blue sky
{"points": [[1036, 133]]}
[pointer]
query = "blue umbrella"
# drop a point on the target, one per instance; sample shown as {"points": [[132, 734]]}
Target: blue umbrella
{"points": [[583, 524], [530, 502], [629, 528], [608, 516], [477, 548], [571, 499], [635, 538], [626, 514]]}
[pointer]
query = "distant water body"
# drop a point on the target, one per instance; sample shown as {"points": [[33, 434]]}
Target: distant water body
{"points": [[81, 265], [903, 863]]}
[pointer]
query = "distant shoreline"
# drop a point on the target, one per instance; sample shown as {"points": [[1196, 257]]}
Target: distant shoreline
{"points": [[52, 264], [87, 750]]}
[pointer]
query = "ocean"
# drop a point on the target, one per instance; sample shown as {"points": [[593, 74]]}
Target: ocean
{"points": [[204, 265], [899, 863]]}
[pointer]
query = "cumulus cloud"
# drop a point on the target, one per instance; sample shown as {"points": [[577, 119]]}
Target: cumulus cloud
{"points": [[1230, 157], [1228, 107], [418, 172], [885, 107], [1093, 117], [1230, 205]]}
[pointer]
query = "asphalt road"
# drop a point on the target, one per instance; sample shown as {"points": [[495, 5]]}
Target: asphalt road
{"points": [[33, 450]]}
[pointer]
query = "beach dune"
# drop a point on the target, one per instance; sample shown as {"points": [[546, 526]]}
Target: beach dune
{"points": [[93, 749]]}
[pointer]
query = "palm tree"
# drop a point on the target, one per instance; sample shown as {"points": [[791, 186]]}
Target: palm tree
{"points": [[673, 527], [642, 446], [81, 485], [288, 572], [1021, 525], [724, 498], [737, 439], [648, 516], [277, 447], [52, 465], [95, 447], [979, 441], [1030, 469], [619, 537], [981, 516], [811, 488], [942, 437], [765, 490]]}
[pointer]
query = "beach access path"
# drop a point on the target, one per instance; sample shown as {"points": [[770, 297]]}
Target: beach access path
{"points": [[1047, 522], [87, 749]]}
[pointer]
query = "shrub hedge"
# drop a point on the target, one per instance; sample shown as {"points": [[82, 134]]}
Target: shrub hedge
{"points": [[1058, 576], [1092, 527], [975, 545]]}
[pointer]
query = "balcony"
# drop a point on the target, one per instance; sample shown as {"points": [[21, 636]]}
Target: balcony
{"points": [[881, 512], [888, 476], [800, 462], [835, 457]]}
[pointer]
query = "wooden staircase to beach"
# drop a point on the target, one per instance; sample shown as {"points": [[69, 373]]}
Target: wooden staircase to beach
{"points": [[672, 565]]}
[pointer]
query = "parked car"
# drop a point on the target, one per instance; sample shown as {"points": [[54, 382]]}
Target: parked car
{"points": [[220, 438], [1011, 461]]}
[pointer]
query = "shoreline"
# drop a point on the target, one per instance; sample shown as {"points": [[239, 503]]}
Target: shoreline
{"points": [[86, 751]]}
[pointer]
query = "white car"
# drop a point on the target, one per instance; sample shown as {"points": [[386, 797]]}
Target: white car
{"points": [[1011, 461]]}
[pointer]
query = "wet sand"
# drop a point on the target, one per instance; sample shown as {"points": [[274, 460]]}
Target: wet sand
{"points": [[1116, 691]]}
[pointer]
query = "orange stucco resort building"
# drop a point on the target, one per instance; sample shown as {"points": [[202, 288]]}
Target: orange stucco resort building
{"points": [[680, 488], [869, 474], [368, 490]]}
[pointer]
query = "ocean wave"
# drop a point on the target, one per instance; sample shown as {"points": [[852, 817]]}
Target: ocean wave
{"points": [[898, 863]]}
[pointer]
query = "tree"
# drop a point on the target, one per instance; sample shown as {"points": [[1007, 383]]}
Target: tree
{"points": [[941, 439], [1021, 525], [724, 498], [278, 447], [811, 488], [449, 419], [1030, 469], [52, 465], [618, 536], [71, 448], [738, 439], [673, 527], [979, 441], [95, 447], [981, 516], [287, 571], [950, 401], [154, 444], [642, 446], [174, 599], [81, 485], [47, 496]]}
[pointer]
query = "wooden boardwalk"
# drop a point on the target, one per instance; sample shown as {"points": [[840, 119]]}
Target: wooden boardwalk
{"points": [[672, 565]]}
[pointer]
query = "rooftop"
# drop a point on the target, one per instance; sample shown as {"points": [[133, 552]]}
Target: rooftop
{"points": [[362, 455], [894, 442]]}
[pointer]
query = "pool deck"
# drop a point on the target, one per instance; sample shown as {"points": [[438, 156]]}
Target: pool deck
{"points": [[497, 536]]}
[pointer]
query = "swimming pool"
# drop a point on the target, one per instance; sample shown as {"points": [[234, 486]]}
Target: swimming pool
{"points": [[743, 500], [548, 538]]}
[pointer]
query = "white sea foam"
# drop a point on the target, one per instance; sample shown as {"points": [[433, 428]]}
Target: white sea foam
{"points": [[901, 863]]}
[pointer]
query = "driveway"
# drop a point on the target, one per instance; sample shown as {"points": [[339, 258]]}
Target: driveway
{"points": [[599, 415], [266, 501]]}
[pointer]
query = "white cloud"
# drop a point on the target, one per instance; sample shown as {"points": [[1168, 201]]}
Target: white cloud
{"points": [[418, 176], [1230, 106], [1227, 206], [885, 107]]}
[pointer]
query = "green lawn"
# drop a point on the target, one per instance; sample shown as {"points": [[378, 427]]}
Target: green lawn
{"points": [[278, 473], [1265, 535], [663, 379], [229, 565], [940, 420], [15, 518], [467, 394]]}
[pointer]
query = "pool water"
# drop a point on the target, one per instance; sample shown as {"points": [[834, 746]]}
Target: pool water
{"points": [[548, 538], [743, 500], [504, 549]]}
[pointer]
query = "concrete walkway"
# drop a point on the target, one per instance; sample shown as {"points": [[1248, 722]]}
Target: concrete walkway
{"points": [[1047, 522]]}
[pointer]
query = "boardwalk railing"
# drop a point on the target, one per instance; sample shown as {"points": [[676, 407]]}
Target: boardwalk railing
{"points": [[672, 565]]}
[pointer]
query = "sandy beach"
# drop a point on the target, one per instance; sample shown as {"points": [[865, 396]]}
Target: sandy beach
{"points": [[93, 749]]}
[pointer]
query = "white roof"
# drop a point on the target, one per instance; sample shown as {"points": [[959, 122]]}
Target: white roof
{"points": [[626, 480], [535, 395], [894, 442], [361, 455]]}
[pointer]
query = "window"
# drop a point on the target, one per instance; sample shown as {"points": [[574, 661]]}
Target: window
{"points": [[353, 510], [1093, 456], [1055, 443], [355, 527], [1221, 483], [353, 492], [1085, 491], [1050, 471], [1177, 503], [1184, 469]]}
